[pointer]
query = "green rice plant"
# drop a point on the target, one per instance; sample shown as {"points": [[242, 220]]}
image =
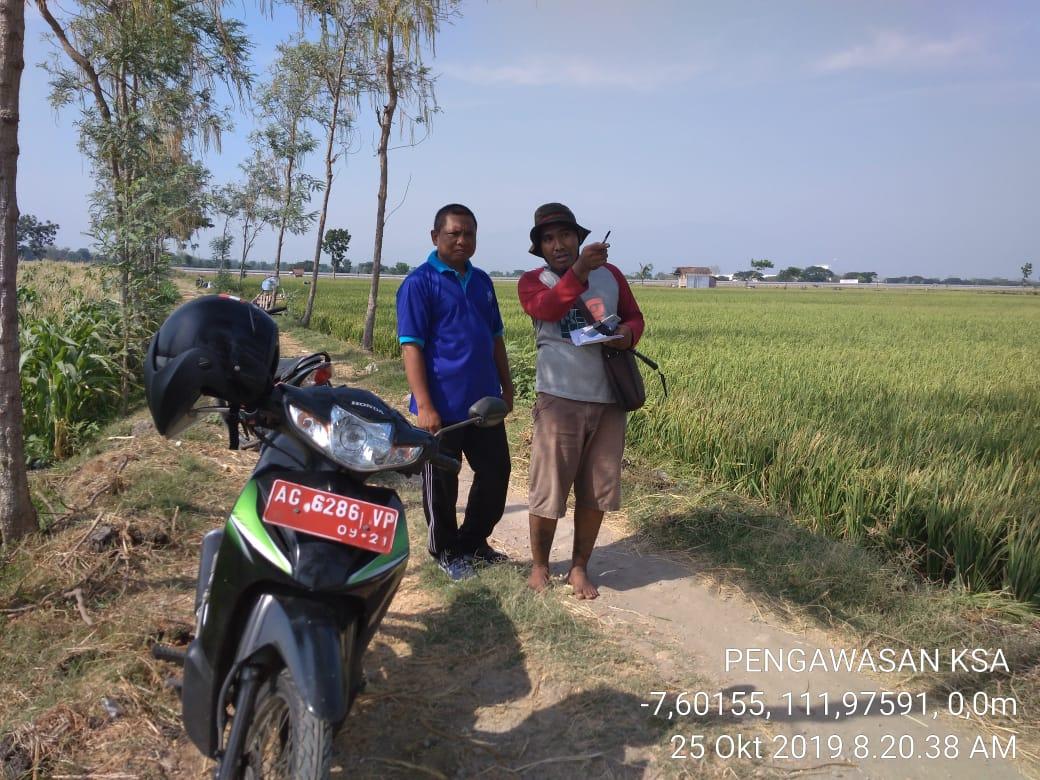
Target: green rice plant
{"points": [[902, 420], [340, 306], [522, 356], [1023, 559], [921, 405], [979, 551]]}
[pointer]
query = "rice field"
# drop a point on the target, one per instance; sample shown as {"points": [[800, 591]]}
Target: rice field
{"points": [[905, 420]]}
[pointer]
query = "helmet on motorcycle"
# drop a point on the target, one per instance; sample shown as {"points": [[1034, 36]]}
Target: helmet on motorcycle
{"points": [[215, 345]]}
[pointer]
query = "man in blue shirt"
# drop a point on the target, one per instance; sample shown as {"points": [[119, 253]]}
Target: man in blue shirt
{"points": [[450, 331]]}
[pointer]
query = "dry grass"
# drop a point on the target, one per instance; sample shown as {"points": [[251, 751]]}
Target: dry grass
{"points": [[55, 282], [80, 693]]}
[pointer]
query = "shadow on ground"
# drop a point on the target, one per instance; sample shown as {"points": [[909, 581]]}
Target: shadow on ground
{"points": [[451, 694]]}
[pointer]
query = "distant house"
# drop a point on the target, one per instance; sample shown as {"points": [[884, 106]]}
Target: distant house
{"points": [[694, 276]]}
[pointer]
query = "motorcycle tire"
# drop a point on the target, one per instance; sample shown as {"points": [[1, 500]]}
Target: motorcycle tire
{"points": [[285, 740]]}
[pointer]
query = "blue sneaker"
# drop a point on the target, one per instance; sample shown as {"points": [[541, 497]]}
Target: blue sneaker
{"points": [[457, 567]]}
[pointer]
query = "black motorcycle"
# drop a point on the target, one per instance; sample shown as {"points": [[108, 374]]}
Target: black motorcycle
{"points": [[292, 589]]}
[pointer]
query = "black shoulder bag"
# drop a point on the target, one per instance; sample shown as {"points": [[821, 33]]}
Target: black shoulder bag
{"points": [[623, 373]]}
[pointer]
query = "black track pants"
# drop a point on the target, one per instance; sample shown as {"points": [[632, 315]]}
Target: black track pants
{"points": [[487, 453]]}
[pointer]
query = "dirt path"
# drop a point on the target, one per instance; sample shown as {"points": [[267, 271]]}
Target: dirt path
{"points": [[686, 624]]}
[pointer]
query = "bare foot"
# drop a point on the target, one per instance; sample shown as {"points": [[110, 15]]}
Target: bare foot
{"points": [[539, 579], [583, 587]]}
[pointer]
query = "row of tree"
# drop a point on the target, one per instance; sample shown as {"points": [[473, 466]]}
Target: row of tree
{"points": [[148, 81], [818, 273], [814, 273], [312, 100], [337, 240], [33, 237]]}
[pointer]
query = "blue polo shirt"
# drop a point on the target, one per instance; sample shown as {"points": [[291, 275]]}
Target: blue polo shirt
{"points": [[455, 319]]}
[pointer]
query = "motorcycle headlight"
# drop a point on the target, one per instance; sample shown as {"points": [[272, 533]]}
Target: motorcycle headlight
{"points": [[354, 442]]}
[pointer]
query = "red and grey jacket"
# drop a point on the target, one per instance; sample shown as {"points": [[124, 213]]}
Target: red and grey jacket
{"points": [[563, 369]]}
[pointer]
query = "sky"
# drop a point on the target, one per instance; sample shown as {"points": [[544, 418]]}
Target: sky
{"points": [[896, 137]]}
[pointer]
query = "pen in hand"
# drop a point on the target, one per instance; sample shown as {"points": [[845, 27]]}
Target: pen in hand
{"points": [[604, 241]]}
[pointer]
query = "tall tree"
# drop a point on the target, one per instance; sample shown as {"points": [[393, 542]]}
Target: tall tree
{"points": [[17, 514], [34, 235], [817, 273], [288, 102], [335, 61], [1027, 271], [761, 265], [398, 30], [143, 76], [222, 202], [746, 276], [254, 200], [335, 245], [646, 270], [174, 206]]}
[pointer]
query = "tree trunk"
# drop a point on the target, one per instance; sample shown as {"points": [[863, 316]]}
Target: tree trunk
{"points": [[386, 120], [245, 251], [306, 320], [17, 514], [124, 357], [285, 207], [329, 159]]}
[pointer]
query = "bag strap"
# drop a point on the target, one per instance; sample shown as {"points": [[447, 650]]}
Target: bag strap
{"points": [[653, 365], [584, 309]]}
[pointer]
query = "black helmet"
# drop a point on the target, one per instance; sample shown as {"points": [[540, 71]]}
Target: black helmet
{"points": [[215, 345]]}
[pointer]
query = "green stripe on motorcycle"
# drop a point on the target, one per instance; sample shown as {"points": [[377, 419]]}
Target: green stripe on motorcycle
{"points": [[249, 525], [397, 554]]}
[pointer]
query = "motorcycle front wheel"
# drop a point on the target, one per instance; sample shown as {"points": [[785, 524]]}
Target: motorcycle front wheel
{"points": [[285, 740]]}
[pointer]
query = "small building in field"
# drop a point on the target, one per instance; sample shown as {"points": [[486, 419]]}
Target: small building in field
{"points": [[694, 276]]}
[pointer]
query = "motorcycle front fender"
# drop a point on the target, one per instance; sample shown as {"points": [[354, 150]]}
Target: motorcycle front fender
{"points": [[315, 649], [301, 634]]}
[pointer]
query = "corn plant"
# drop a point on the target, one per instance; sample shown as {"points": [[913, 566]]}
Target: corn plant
{"points": [[72, 343], [68, 376]]}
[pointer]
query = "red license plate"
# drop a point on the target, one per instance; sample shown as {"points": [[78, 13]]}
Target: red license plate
{"points": [[331, 516]]}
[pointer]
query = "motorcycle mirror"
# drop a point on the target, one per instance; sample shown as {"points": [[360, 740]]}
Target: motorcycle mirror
{"points": [[489, 411]]}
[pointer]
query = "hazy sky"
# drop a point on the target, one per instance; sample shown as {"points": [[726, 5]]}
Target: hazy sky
{"points": [[898, 137]]}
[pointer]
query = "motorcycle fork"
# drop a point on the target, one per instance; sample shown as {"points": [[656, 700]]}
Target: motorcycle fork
{"points": [[248, 681]]}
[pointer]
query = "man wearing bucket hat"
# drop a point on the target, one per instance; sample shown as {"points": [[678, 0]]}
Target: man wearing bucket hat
{"points": [[579, 430]]}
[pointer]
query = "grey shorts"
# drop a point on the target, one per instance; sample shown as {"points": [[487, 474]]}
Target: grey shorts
{"points": [[579, 444]]}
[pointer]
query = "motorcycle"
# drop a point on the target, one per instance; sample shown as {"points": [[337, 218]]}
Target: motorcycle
{"points": [[292, 589]]}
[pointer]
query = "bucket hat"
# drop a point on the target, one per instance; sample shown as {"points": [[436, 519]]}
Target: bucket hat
{"points": [[553, 214]]}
